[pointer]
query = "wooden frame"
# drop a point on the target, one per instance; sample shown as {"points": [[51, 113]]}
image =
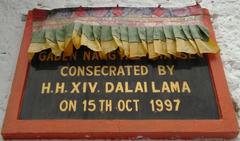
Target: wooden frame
{"points": [[13, 128]]}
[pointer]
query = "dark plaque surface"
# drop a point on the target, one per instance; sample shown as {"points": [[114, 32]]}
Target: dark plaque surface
{"points": [[86, 87]]}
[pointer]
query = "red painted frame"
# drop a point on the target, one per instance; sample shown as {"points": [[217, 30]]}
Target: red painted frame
{"points": [[13, 128]]}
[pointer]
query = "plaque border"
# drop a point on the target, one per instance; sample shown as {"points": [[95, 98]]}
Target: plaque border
{"points": [[13, 128]]}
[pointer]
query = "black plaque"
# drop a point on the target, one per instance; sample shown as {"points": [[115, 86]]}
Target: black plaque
{"points": [[194, 100]]}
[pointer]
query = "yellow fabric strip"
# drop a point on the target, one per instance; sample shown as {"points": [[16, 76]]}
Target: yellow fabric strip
{"points": [[68, 51], [126, 48], [206, 47], [160, 48], [151, 53], [130, 50], [185, 46], [30, 56], [137, 50], [171, 47], [61, 45], [120, 45], [54, 47], [108, 46], [37, 47], [90, 44], [76, 40]]}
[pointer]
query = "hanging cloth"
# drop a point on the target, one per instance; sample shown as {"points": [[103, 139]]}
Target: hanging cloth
{"points": [[136, 32]]}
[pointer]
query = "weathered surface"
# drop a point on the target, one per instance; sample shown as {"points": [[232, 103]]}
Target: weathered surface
{"points": [[225, 17]]}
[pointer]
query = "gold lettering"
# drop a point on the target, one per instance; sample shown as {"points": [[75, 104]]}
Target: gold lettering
{"points": [[97, 70], [95, 56], [92, 87], [127, 105], [60, 87], [144, 70], [136, 101], [175, 86], [72, 71], [165, 87], [161, 70], [84, 86], [103, 70], [109, 87], [170, 68], [108, 105], [154, 89], [120, 71], [63, 106], [74, 56], [75, 87], [101, 104], [70, 105], [86, 55], [112, 70], [185, 87], [62, 72], [50, 57], [119, 88], [191, 56], [127, 90], [128, 67], [81, 71], [145, 87], [89, 71], [121, 105], [139, 87], [42, 56], [46, 88], [112, 56], [136, 70]]}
